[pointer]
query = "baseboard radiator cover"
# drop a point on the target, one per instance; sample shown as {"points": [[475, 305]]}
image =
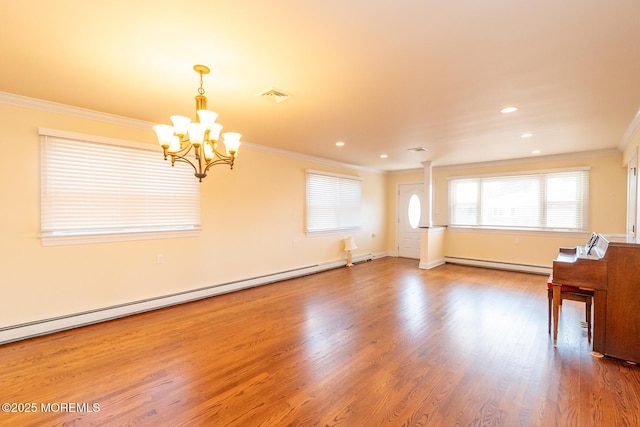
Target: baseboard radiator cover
{"points": [[499, 265], [56, 324]]}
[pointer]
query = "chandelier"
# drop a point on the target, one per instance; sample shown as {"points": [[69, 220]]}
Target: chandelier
{"points": [[202, 136]]}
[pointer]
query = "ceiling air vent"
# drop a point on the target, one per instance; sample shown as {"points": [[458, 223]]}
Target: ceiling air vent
{"points": [[275, 94], [418, 149]]}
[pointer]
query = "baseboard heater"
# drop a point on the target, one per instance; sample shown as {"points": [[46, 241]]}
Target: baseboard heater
{"points": [[499, 265], [55, 324]]}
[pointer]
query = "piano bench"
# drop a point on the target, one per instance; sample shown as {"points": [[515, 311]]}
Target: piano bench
{"points": [[572, 293]]}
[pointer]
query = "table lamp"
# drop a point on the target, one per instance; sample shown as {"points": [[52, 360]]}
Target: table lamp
{"points": [[349, 245]]}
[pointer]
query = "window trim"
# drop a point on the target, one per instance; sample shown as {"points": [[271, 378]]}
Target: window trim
{"points": [[517, 173], [532, 229], [306, 203], [60, 238]]}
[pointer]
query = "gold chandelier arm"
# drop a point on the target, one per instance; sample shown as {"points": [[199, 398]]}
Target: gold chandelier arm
{"points": [[219, 159], [219, 155], [200, 166], [175, 158], [186, 147], [228, 161]]}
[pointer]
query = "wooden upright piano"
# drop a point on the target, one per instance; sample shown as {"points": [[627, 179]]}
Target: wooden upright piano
{"points": [[612, 269]]}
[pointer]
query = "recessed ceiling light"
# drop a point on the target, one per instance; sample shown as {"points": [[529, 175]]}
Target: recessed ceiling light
{"points": [[507, 110], [383, 156], [535, 152], [526, 135], [339, 143]]}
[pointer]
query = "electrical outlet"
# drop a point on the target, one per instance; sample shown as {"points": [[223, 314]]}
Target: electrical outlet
{"points": [[159, 259]]}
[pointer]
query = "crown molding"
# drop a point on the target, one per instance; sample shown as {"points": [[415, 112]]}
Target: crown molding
{"points": [[632, 131], [536, 159], [295, 155], [68, 110], [405, 171]]}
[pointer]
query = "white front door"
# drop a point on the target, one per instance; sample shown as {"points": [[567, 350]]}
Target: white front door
{"points": [[409, 215]]}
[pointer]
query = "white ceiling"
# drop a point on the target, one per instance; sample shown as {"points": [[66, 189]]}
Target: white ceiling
{"points": [[382, 76]]}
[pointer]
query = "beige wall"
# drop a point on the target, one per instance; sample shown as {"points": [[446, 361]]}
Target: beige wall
{"points": [[630, 154], [607, 211], [252, 225], [252, 220], [631, 150]]}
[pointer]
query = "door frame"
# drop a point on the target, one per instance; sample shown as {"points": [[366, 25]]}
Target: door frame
{"points": [[396, 250], [633, 210]]}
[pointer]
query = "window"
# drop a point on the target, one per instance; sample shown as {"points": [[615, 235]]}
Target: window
{"points": [[94, 189], [414, 211], [554, 200], [333, 202]]}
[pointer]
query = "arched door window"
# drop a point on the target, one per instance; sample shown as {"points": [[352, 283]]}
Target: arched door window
{"points": [[414, 211]]}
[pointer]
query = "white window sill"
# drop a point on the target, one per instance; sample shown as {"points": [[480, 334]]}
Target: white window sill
{"points": [[80, 239], [519, 231]]}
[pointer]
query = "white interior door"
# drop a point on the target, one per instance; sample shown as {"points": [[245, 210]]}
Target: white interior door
{"points": [[409, 215]]}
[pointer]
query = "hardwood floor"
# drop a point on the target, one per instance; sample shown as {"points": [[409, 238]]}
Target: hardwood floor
{"points": [[379, 344]]}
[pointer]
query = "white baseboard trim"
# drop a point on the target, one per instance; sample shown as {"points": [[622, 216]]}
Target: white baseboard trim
{"points": [[47, 326], [374, 256], [432, 264], [500, 265]]}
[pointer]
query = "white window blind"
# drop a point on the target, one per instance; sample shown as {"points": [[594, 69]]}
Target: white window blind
{"points": [[540, 201], [94, 189], [333, 202]]}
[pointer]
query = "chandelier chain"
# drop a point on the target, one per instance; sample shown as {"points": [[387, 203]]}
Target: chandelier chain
{"points": [[201, 89]]}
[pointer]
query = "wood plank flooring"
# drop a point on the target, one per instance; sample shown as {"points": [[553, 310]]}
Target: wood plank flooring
{"points": [[380, 344]]}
